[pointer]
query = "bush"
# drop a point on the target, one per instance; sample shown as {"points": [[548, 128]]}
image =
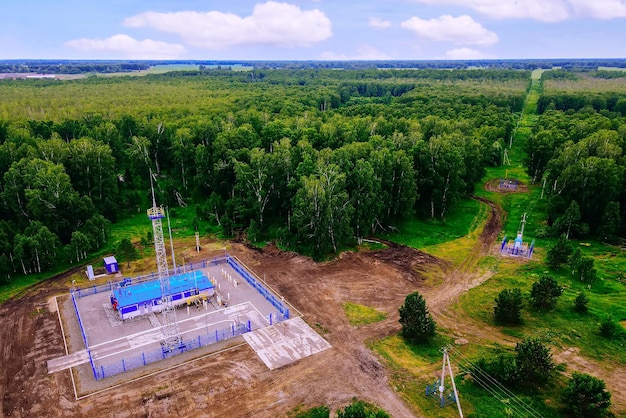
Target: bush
{"points": [[609, 328], [360, 409], [503, 369], [580, 303], [508, 306], [417, 323], [126, 251], [533, 360], [317, 412], [585, 397], [559, 253], [545, 292]]}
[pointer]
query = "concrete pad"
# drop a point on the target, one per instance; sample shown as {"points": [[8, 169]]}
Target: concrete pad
{"points": [[65, 362], [285, 343]]}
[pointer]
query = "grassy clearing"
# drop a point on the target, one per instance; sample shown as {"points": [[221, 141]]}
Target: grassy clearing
{"points": [[415, 366], [459, 222], [561, 327], [362, 315]]}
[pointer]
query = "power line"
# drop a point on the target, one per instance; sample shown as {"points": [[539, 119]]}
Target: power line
{"points": [[492, 386]]}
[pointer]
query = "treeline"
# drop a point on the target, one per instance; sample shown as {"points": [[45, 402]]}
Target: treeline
{"points": [[307, 166], [598, 101], [64, 67], [579, 157]]}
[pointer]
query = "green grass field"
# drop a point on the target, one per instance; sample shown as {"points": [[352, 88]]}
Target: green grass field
{"points": [[362, 315]]}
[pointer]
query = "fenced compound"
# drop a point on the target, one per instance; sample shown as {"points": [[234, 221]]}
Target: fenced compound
{"points": [[115, 346], [517, 247], [508, 184], [147, 357]]}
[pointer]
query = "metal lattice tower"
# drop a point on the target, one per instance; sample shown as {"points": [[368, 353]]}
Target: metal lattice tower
{"points": [[171, 337]]}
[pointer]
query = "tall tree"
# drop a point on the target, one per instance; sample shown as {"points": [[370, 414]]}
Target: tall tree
{"points": [[322, 209], [586, 396], [534, 360], [417, 323]]}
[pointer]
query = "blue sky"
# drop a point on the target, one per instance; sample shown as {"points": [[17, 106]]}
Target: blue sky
{"points": [[312, 29]]}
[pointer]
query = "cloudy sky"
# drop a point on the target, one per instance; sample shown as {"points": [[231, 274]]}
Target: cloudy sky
{"points": [[312, 29]]}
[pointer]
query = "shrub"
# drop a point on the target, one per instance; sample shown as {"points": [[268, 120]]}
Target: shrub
{"points": [[609, 328], [503, 369], [126, 251], [317, 412], [559, 253], [580, 303], [417, 323], [508, 306], [360, 409], [585, 397], [534, 360], [545, 292]]}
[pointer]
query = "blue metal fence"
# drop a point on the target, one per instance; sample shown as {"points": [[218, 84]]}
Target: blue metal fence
{"points": [[258, 286], [102, 371], [82, 331]]}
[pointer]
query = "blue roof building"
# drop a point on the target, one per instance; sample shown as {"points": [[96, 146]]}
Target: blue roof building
{"points": [[132, 300]]}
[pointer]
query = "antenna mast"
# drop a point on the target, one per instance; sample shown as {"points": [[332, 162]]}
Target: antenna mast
{"points": [[171, 337]]}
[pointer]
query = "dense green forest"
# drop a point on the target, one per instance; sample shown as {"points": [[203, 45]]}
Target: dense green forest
{"points": [[577, 149], [316, 159]]}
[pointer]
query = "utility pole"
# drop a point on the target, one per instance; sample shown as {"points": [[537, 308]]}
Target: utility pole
{"points": [[446, 360], [523, 223]]}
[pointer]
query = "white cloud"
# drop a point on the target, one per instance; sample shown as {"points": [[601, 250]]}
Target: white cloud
{"points": [[271, 23], [466, 54], [462, 30], [599, 9], [379, 23], [364, 52], [129, 47], [541, 10]]}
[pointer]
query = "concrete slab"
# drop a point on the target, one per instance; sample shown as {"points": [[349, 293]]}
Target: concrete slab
{"points": [[65, 362], [285, 343]]}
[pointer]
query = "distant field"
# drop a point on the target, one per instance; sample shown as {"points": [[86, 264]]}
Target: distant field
{"points": [[166, 68], [611, 69]]}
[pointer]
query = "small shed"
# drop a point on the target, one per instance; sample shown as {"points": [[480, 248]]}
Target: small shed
{"points": [[110, 264]]}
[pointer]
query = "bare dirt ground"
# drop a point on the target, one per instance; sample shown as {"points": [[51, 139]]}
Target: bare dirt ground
{"points": [[235, 383]]}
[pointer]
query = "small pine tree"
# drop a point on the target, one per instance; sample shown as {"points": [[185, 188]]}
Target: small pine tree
{"points": [[545, 292], [585, 396], [360, 409], [417, 323], [580, 303], [534, 360], [609, 328], [559, 253], [126, 251], [508, 307]]}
